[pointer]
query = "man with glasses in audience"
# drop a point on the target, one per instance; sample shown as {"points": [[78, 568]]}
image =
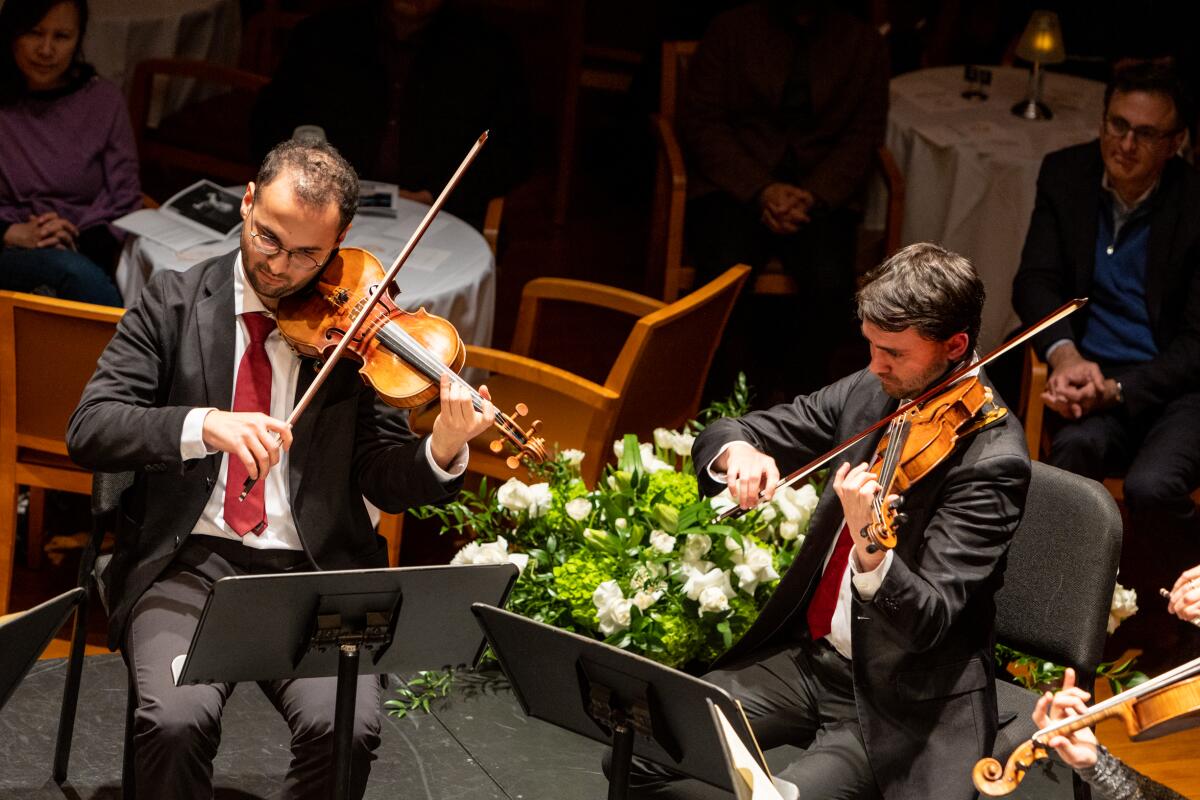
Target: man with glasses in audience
{"points": [[1118, 221], [191, 394]]}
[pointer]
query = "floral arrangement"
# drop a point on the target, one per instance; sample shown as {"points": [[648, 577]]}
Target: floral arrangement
{"points": [[637, 561]]}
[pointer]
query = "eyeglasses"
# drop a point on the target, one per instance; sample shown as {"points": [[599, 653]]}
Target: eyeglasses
{"points": [[1147, 135], [269, 246]]}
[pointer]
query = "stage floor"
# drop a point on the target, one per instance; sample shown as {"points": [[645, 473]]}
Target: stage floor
{"points": [[475, 745]]}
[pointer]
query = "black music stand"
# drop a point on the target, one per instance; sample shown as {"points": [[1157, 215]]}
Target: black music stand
{"points": [[616, 697], [23, 637], [317, 624]]}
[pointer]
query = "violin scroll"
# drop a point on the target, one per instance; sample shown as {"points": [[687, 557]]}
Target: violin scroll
{"points": [[526, 441], [992, 780]]}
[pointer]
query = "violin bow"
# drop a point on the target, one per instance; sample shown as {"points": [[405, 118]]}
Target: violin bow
{"points": [[1063, 311], [364, 314]]}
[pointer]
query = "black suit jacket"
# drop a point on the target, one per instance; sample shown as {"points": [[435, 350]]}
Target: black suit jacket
{"points": [[1059, 260], [173, 351], [922, 646]]}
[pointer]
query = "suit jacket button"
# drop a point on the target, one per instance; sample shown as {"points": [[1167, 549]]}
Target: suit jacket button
{"points": [[208, 483], [178, 539]]}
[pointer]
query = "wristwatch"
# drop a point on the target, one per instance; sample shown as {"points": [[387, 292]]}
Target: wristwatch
{"points": [[1120, 398]]}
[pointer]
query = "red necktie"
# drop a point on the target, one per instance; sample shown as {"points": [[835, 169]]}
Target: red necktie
{"points": [[251, 392], [824, 600]]}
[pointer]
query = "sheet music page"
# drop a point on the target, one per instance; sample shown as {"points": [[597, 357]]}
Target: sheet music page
{"points": [[750, 782]]}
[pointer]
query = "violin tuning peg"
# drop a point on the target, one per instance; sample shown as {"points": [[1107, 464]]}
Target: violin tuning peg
{"points": [[901, 518], [496, 446], [521, 410], [897, 503], [533, 427], [513, 462]]}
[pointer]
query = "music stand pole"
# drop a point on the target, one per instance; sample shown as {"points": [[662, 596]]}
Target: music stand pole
{"points": [[622, 760], [343, 718]]}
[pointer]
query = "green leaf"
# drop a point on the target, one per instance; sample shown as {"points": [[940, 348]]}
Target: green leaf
{"points": [[631, 455]]}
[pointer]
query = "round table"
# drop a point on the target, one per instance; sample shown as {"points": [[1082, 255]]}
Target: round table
{"points": [[971, 167], [451, 273], [122, 33]]}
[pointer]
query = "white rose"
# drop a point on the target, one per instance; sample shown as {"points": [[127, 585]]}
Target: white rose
{"points": [[698, 581], [606, 594], [612, 609], [1124, 606], [722, 502], [579, 508], [540, 499], [621, 523], [712, 600], [664, 439], [662, 541], [514, 496], [696, 545], [754, 565], [572, 456], [644, 599], [683, 443], [490, 553], [789, 530]]}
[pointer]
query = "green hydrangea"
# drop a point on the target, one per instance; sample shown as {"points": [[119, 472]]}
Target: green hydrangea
{"points": [[577, 578], [678, 488], [681, 639]]}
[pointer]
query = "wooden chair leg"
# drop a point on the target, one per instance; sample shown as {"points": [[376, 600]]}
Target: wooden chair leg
{"points": [[8, 539], [391, 528], [35, 530]]}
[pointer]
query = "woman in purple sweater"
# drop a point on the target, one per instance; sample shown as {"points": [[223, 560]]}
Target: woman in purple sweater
{"points": [[68, 165]]}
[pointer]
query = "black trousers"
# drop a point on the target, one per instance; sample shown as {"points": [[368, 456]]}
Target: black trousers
{"points": [[177, 728], [786, 345], [801, 695]]}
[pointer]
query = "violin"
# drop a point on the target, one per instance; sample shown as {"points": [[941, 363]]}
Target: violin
{"points": [[1167, 704], [917, 441], [943, 414], [403, 354]]}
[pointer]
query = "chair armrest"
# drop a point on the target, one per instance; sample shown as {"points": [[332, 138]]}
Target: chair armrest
{"points": [[573, 291], [542, 374], [1033, 383], [491, 223], [670, 202], [893, 179]]}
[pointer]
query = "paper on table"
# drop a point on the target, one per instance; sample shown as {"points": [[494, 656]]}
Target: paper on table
{"points": [[750, 782], [160, 228]]}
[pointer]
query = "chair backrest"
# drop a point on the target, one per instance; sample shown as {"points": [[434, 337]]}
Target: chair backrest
{"points": [[48, 351], [675, 58], [1062, 567], [661, 370]]}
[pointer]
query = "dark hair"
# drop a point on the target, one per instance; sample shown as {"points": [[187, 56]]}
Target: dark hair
{"points": [[1153, 77], [18, 17], [925, 287], [322, 175]]}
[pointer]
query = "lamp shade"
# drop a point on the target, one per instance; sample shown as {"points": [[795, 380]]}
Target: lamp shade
{"points": [[1042, 40]]}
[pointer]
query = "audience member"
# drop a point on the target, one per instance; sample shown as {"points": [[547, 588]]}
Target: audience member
{"points": [[1108, 776], [68, 165], [784, 109], [403, 88]]}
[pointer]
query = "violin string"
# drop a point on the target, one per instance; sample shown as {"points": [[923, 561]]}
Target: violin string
{"points": [[890, 459], [404, 344]]}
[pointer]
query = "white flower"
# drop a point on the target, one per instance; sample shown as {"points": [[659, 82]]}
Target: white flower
{"points": [[683, 443], [647, 575], [789, 530], [579, 508], [540, 499], [662, 541], [572, 456], [644, 599], [612, 609], [490, 553], [664, 439], [712, 600], [621, 523], [1124, 606], [796, 505], [696, 545], [514, 495], [650, 463], [753, 565], [722, 502], [698, 581]]}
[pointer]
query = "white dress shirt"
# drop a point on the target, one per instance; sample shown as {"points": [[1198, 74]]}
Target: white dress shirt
{"points": [[280, 533]]}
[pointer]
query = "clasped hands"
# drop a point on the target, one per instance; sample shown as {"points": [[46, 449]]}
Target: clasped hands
{"points": [[1184, 598], [258, 440], [752, 475], [1076, 387], [785, 207], [42, 230]]}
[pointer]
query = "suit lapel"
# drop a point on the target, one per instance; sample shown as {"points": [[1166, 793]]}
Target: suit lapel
{"points": [[1086, 225], [303, 429], [1158, 249], [215, 320]]}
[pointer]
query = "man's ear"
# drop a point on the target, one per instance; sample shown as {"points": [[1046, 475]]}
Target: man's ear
{"points": [[247, 199], [956, 346], [342, 236]]}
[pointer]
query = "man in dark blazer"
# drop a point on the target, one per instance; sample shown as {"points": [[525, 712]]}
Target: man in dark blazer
{"points": [[1118, 220], [878, 664], [190, 395]]}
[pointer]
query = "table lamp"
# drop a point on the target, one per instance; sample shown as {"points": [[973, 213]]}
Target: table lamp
{"points": [[1040, 44]]}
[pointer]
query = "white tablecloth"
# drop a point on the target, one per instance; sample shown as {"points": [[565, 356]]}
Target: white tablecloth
{"points": [[971, 167], [123, 32], [451, 273]]}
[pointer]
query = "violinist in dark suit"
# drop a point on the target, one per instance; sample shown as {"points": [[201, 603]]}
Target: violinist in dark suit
{"points": [[190, 394], [878, 664]]}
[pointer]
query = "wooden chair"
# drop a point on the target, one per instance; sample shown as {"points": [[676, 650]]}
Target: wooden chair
{"points": [[209, 138], [666, 267], [656, 380], [48, 351]]}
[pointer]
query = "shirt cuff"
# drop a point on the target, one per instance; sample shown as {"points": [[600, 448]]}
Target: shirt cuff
{"points": [[868, 583], [719, 477], [1055, 346], [458, 465], [191, 441]]}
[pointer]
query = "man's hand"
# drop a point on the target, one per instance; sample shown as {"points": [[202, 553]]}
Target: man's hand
{"points": [[857, 488], [785, 207], [253, 438], [1076, 386], [457, 421], [1078, 749], [1185, 596], [748, 473], [54, 231]]}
